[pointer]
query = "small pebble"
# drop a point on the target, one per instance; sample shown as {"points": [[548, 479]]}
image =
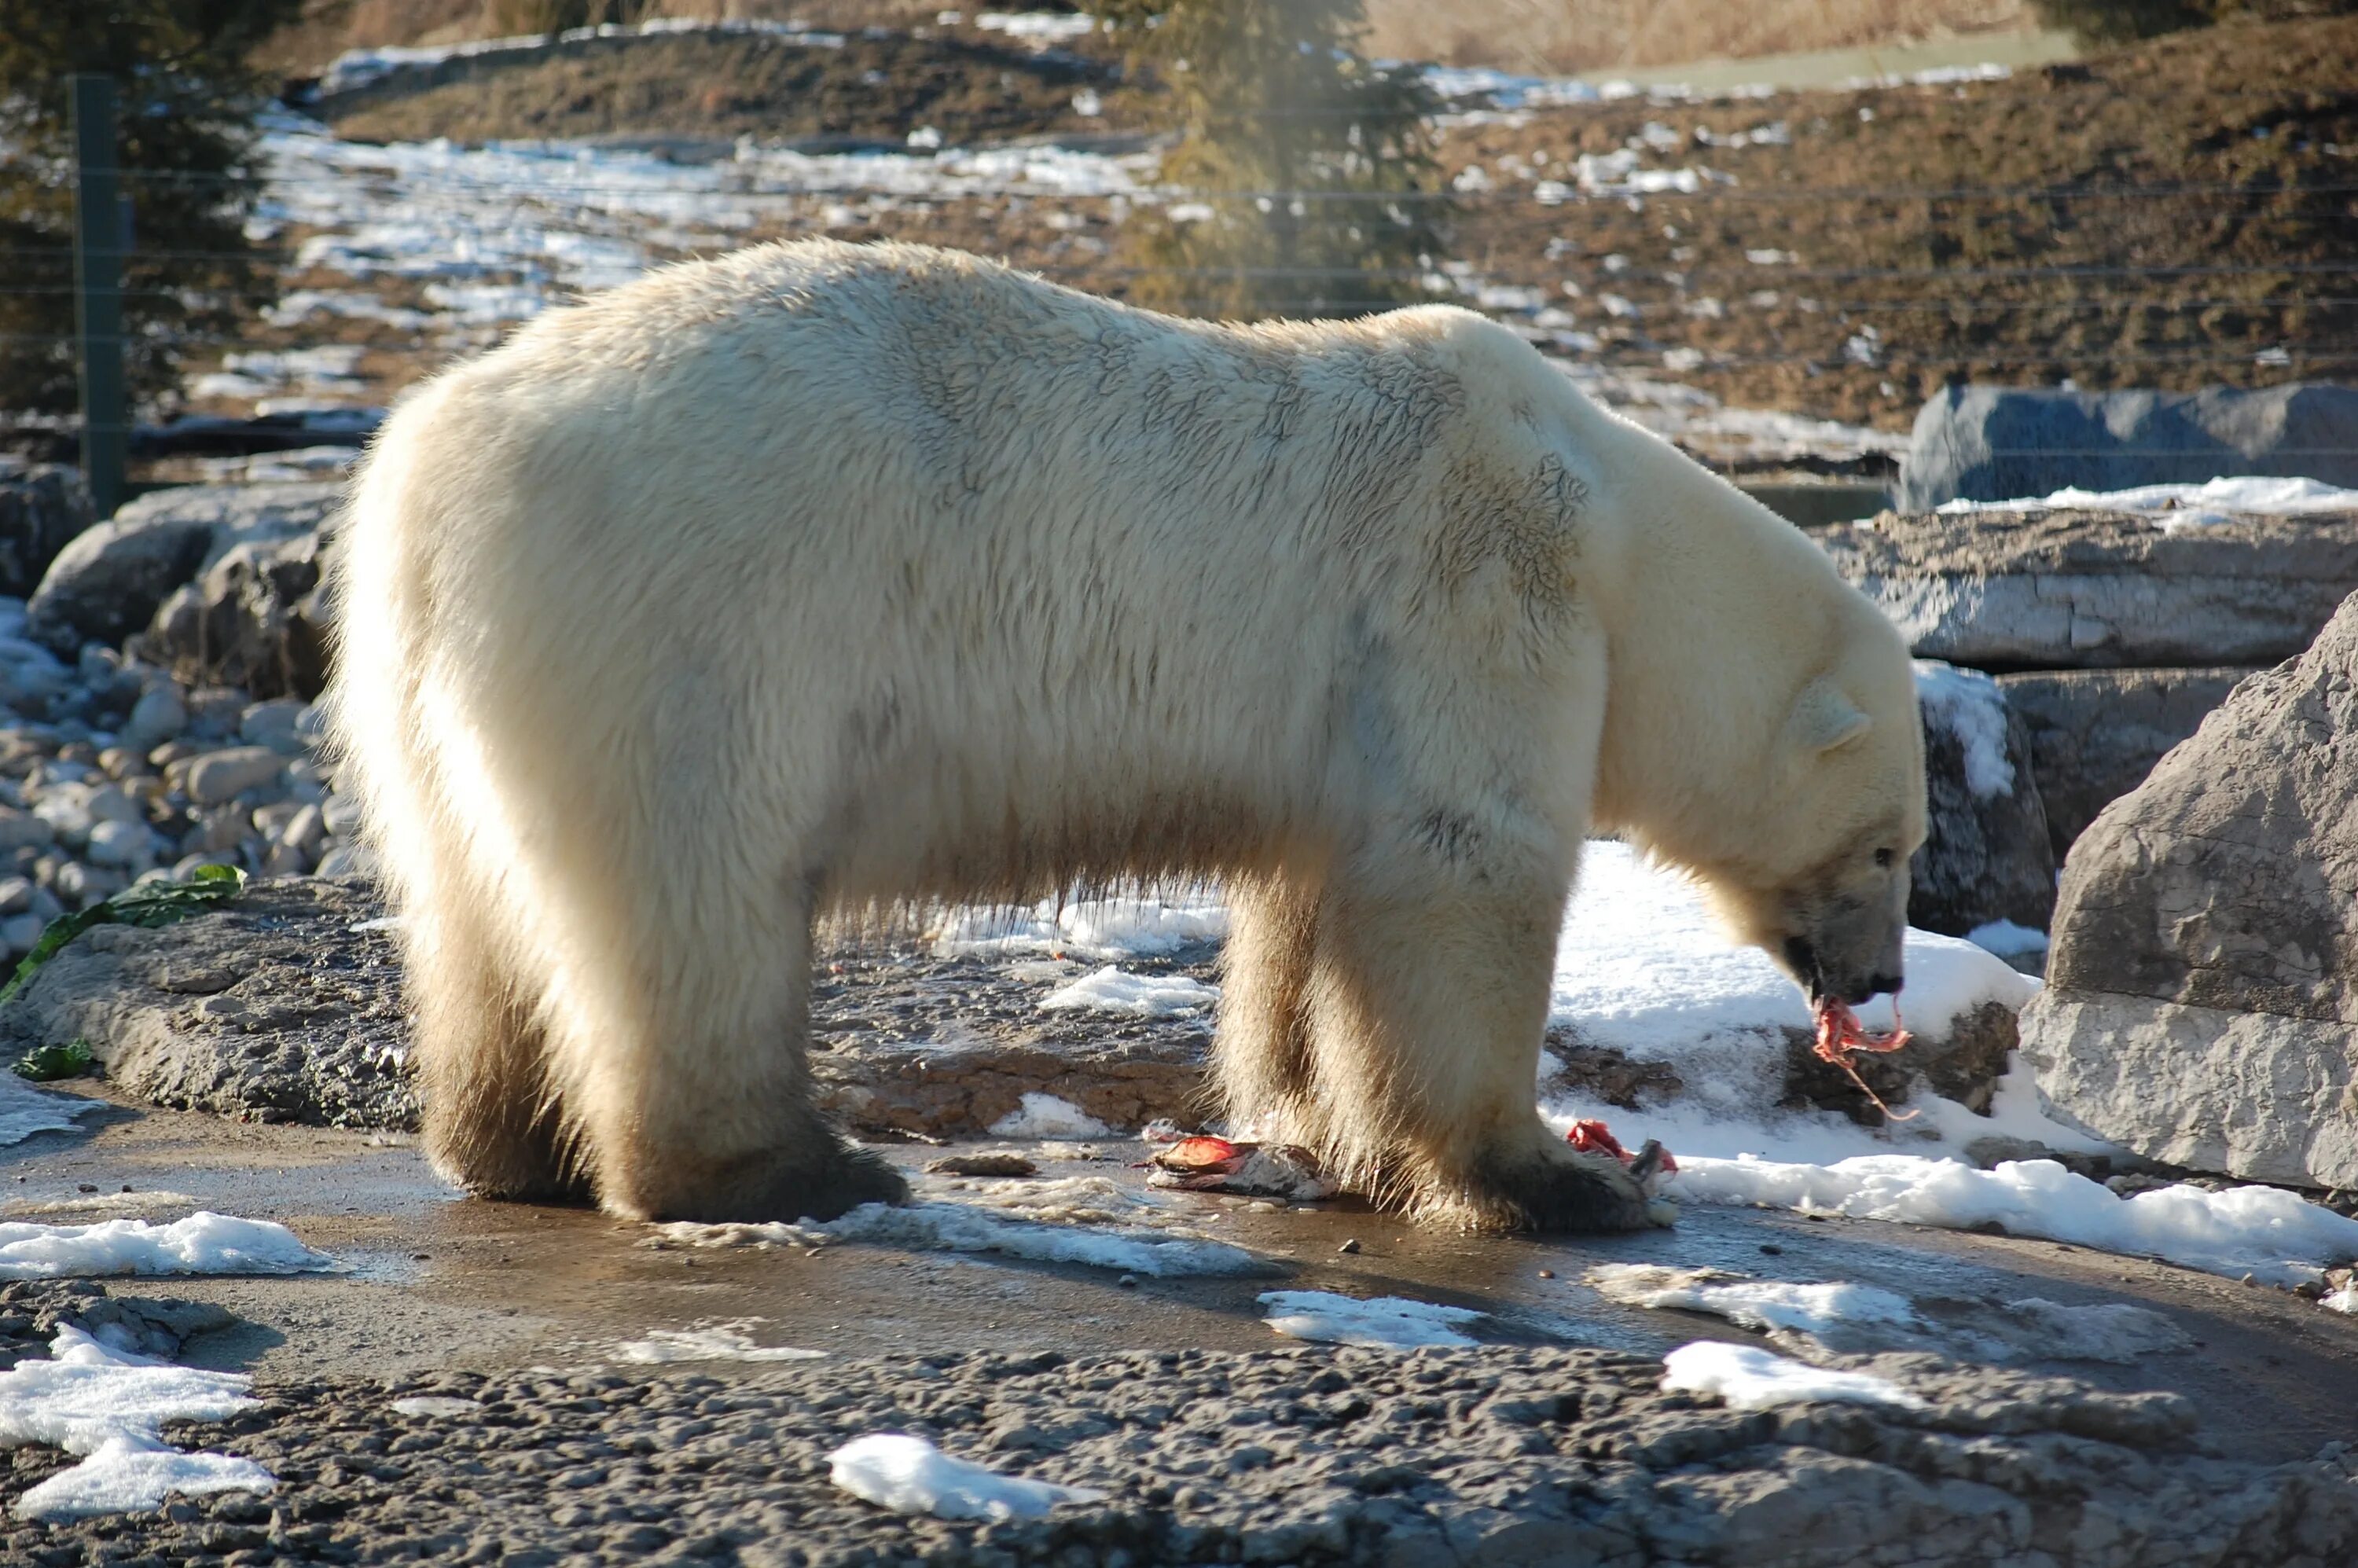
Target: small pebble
{"points": [[1547, 1273], [1127, 1282], [1771, 1249], [1352, 1245]]}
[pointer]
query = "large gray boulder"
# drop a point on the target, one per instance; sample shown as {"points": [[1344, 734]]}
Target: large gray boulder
{"points": [[2095, 734], [42, 507], [2202, 1005], [2069, 589], [1988, 856], [110, 582], [1999, 443]]}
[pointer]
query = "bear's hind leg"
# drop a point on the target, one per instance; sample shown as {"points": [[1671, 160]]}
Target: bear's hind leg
{"points": [[1429, 997], [682, 1060], [490, 1120], [1262, 1058]]}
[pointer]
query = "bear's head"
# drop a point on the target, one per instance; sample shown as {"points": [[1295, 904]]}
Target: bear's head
{"points": [[1825, 894]]}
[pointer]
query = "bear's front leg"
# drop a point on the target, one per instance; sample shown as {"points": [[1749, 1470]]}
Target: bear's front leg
{"points": [[1435, 950]]}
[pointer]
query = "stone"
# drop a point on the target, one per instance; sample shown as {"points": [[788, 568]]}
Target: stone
{"points": [[272, 1005], [23, 830], [2095, 734], [42, 507], [122, 844], [1997, 443], [159, 716], [2101, 590], [108, 581], [274, 724], [16, 895], [2202, 1003], [305, 831], [219, 776], [255, 617], [1988, 855], [21, 930]]}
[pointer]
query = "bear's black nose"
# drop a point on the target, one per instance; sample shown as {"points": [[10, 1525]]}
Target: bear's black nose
{"points": [[1877, 984]]}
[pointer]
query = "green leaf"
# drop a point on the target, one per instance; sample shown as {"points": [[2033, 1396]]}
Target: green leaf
{"points": [[51, 1062], [155, 904]]}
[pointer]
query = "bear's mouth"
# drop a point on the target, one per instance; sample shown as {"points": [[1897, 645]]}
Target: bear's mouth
{"points": [[1801, 961]]}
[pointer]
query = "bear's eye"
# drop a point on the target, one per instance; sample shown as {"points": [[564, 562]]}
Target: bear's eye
{"points": [[1883, 859]]}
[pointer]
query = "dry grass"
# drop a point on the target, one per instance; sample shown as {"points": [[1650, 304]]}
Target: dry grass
{"points": [[1593, 35], [1520, 35]]}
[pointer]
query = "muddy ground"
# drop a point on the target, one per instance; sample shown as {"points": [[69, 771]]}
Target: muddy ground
{"points": [[1216, 1440]]}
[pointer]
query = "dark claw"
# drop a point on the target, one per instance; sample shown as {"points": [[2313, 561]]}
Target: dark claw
{"points": [[1648, 1164]]}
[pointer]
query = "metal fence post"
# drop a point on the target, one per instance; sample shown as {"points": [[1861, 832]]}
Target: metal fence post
{"points": [[98, 292]]}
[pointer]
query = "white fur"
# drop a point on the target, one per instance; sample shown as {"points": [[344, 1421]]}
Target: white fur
{"points": [[820, 578]]}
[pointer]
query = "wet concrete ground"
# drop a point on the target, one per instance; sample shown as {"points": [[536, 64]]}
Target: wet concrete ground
{"points": [[437, 1282]]}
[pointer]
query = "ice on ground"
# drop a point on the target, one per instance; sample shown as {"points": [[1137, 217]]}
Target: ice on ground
{"points": [[1115, 990], [1103, 929], [1968, 705], [1643, 969], [1046, 1117], [82, 1203], [1039, 26], [109, 1406], [1393, 1322], [2007, 940], [2344, 1300], [203, 1243], [910, 1476], [2271, 1235], [1751, 1378], [436, 1407], [25, 1110], [2214, 501], [2104, 1331], [730, 1341], [1086, 1219], [1812, 1309]]}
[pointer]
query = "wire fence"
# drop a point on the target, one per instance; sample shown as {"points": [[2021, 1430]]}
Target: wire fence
{"points": [[1683, 274]]}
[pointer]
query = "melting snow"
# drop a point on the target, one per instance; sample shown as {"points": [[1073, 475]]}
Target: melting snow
{"points": [[203, 1243], [1751, 1303], [110, 1407], [1083, 1219], [910, 1476], [2007, 940], [1047, 1117], [1114, 990], [2271, 1235], [1751, 1378], [25, 1110], [1131, 926], [436, 1407], [714, 1342], [1388, 1322]]}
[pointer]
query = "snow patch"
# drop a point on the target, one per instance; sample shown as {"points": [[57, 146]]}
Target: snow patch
{"points": [[1104, 929], [714, 1342], [110, 1407], [2007, 940], [1969, 705], [910, 1476], [1750, 1378], [1751, 1303], [2271, 1235], [203, 1243], [1114, 990], [436, 1407], [25, 1110], [2214, 501], [1047, 1117], [1394, 1323]]}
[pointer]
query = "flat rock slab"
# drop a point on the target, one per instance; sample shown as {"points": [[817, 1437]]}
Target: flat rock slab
{"points": [[2002, 591], [2095, 734], [2202, 1003], [1496, 1455]]}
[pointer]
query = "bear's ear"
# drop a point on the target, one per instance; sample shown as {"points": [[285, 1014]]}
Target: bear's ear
{"points": [[1824, 718]]}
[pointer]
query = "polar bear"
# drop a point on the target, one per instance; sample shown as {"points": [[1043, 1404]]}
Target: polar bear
{"points": [[824, 580]]}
